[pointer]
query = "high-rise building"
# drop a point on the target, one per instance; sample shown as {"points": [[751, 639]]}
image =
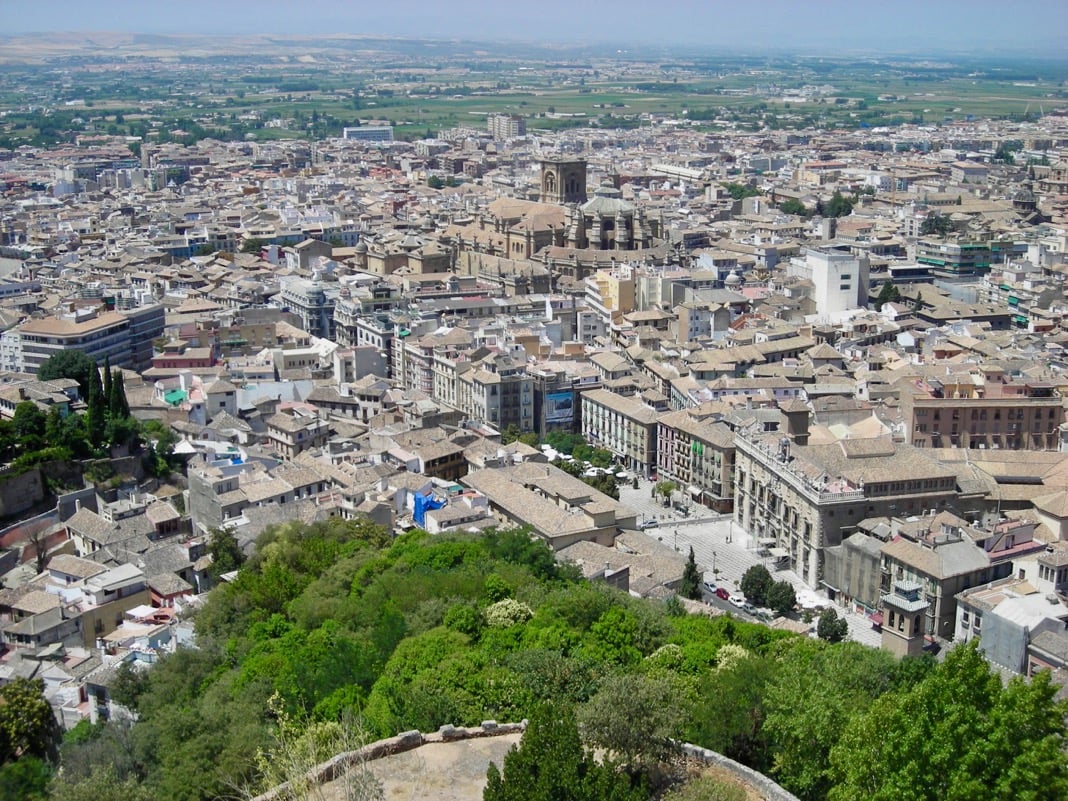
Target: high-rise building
{"points": [[506, 126]]}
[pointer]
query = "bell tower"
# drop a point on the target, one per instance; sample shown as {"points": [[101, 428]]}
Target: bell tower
{"points": [[563, 180], [903, 614]]}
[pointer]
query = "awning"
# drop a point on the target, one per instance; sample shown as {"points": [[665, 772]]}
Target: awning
{"points": [[694, 490], [876, 618], [780, 553], [766, 542]]}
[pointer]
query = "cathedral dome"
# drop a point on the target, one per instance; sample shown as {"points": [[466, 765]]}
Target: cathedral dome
{"points": [[607, 201]]}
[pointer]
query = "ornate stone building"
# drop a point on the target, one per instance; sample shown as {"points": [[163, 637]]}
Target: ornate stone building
{"points": [[568, 235], [563, 181], [607, 222]]}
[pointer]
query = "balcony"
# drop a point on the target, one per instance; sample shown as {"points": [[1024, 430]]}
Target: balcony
{"points": [[801, 483]]}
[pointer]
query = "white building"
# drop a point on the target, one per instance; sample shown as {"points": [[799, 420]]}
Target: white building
{"points": [[840, 280], [369, 133]]}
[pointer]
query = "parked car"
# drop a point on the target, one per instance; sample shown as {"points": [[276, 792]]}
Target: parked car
{"points": [[749, 609], [723, 594], [711, 586], [648, 524], [737, 600]]}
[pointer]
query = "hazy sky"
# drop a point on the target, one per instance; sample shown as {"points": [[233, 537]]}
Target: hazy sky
{"points": [[874, 25]]}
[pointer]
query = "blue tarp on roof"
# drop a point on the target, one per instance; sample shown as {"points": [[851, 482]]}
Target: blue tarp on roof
{"points": [[423, 503]]}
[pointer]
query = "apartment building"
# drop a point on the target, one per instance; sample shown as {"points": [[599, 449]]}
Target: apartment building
{"points": [[313, 303], [559, 508], [943, 563], [355, 328], [839, 279], [625, 426], [61, 393], [415, 360], [1007, 616], [368, 133], [296, 431], [954, 259], [610, 293], [698, 454], [556, 394], [506, 126], [72, 610], [498, 391], [981, 409], [124, 337]]}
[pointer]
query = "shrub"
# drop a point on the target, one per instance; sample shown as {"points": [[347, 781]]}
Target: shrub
{"points": [[507, 612]]}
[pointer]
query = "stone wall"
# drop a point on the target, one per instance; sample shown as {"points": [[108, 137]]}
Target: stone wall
{"points": [[410, 740], [405, 741], [758, 781], [20, 491]]}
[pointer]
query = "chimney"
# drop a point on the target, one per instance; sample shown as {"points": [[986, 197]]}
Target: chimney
{"points": [[796, 414]]}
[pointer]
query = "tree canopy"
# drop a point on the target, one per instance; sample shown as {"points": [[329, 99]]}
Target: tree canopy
{"points": [[838, 206], [756, 581], [794, 206], [27, 725], [956, 736], [551, 763], [781, 597], [888, 294], [326, 620], [72, 364], [830, 627], [741, 191], [936, 224]]}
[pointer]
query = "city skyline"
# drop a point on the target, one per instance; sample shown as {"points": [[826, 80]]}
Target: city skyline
{"points": [[857, 27]]}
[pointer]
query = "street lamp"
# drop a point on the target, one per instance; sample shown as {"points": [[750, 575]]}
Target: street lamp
{"points": [[714, 571]]}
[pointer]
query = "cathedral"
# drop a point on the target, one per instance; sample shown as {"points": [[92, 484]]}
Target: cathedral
{"points": [[565, 233], [603, 222]]}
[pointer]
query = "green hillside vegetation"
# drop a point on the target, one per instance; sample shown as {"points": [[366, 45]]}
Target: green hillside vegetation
{"points": [[32, 436], [337, 618]]}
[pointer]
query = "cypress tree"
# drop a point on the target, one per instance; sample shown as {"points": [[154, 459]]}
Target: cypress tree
{"points": [[118, 406], [96, 413], [107, 382], [888, 294], [690, 586]]}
